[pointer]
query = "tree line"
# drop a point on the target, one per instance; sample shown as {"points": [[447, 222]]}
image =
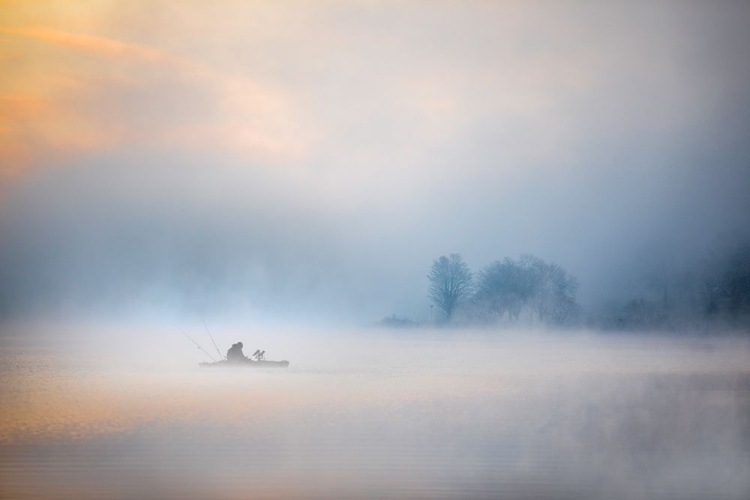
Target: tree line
{"points": [[526, 289], [709, 292]]}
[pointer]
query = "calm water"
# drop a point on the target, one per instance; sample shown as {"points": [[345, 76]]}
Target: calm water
{"points": [[458, 416]]}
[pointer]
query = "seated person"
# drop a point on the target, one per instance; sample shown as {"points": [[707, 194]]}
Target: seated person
{"points": [[235, 354]]}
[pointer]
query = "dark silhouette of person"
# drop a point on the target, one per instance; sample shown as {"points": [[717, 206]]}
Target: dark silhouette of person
{"points": [[235, 354]]}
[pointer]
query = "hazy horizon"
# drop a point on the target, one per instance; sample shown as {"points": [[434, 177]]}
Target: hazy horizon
{"points": [[319, 180], [306, 163]]}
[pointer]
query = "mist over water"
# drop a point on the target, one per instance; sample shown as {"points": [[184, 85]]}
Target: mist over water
{"points": [[546, 204], [427, 415]]}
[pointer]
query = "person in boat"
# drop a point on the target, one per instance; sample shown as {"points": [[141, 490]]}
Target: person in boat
{"points": [[235, 354]]}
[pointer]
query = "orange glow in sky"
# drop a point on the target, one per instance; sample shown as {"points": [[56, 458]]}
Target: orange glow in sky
{"points": [[81, 78]]}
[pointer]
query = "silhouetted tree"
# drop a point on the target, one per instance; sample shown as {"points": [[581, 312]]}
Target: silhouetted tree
{"points": [[502, 287], [711, 291], [735, 281], [554, 293], [725, 281], [450, 281], [544, 289]]}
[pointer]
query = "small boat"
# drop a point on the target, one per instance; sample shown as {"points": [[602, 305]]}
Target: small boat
{"points": [[249, 363], [257, 360]]}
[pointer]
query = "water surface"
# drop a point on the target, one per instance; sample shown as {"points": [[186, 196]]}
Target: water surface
{"points": [[384, 416]]}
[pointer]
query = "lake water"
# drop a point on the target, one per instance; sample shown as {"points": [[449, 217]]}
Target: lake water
{"points": [[381, 415]]}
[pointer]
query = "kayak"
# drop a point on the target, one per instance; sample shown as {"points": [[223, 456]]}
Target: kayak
{"points": [[250, 362]]}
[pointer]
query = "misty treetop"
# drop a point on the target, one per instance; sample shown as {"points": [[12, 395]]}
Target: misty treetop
{"points": [[450, 282], [510, 286], [505, 290]]}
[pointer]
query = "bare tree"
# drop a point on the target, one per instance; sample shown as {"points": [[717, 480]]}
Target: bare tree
{"points": [[544, 289], [503, 286], [450, 281], [554, 292]]}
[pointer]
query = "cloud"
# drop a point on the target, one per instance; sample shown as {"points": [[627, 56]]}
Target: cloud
{"points": [[99, 45], [131, 95], [374, 137]]}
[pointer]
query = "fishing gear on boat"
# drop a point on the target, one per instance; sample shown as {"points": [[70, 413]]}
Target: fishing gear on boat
{"points": [[196, 343], [221, 356]]}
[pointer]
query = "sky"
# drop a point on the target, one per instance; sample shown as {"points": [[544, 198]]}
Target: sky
{"points": [[307, 161]]}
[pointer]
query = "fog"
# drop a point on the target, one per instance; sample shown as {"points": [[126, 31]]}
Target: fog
{"points": [[504, 246], [308, 170], [363, 414]]}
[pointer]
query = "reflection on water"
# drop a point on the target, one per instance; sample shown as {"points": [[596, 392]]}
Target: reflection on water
{"points": [[442, 417]]}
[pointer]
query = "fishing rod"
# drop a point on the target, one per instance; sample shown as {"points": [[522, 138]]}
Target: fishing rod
{"points": [[221, 356], [196, 343]]}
